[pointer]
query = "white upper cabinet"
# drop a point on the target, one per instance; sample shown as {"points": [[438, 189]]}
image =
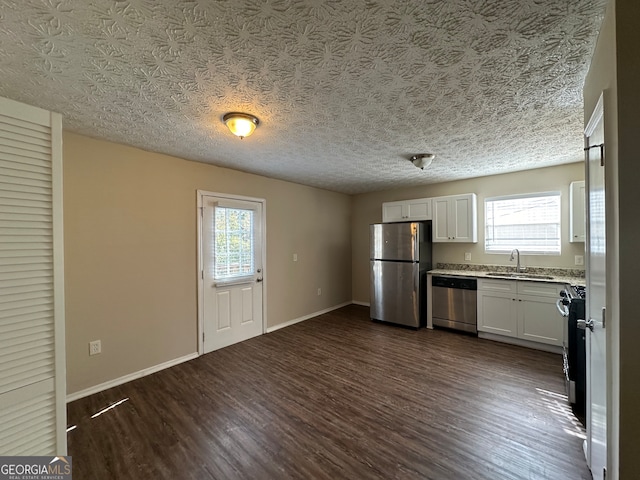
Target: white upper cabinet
{"points": [[407, 210], [455, 218], [577, 212]]}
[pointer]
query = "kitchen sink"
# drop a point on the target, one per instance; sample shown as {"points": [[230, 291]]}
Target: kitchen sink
{"points": [[521, 275]]}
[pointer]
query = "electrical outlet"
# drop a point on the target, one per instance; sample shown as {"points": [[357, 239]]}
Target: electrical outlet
{"points": [[467, 256], [579, 260], [319, 291], [95, 347], [295, 257]]}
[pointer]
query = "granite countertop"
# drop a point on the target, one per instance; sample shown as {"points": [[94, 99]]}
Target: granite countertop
{"points": [[538, 274]]}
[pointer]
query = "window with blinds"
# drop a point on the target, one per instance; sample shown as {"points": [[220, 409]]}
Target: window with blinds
{"points": [[233, 243], [30, 393], [530, 223]]}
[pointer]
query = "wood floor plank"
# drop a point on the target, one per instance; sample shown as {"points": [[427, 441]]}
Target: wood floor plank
{"points": [[338, 396]]}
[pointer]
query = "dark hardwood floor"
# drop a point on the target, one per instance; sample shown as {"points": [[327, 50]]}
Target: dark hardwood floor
{"points": [[338, 397]]}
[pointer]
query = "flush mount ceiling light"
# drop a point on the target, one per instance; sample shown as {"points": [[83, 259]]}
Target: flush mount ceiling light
{"points": [[422, 160], [240, 124]]}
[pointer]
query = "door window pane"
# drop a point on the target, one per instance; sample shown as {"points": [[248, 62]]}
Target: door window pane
{"points": [[233, 243]]}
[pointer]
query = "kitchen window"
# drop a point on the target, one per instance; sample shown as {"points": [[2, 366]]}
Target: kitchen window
{"points": [[530, 223]]}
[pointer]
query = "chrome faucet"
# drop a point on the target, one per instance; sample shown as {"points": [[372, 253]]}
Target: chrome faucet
{"points": [[515, 251]]}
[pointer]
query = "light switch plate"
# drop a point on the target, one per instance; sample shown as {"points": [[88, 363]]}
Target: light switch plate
{"points": [[579, 260], [467, 256]]}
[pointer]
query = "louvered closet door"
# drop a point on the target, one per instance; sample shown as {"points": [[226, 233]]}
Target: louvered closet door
{"points": [[32, 381]]}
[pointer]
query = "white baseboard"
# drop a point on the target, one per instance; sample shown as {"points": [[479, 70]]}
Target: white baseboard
{"points": [[306, 317], [520, 342], [127, 378], [156, 368], [364, 304]]}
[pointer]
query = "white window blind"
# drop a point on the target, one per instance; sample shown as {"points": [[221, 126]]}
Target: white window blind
{"points": [[233, 243], [530, 223]]}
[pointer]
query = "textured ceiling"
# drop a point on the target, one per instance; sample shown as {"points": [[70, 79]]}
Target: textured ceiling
{"points": [[346, 90]]}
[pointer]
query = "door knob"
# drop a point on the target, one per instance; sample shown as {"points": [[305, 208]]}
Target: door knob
{"points": [[584, 324]]}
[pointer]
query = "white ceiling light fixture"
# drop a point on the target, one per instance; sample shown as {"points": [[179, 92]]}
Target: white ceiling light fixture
{"points": [[422, 160], [240, 124]]}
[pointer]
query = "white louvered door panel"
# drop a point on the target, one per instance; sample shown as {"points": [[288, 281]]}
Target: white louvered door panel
{"points": [[32, 383]]}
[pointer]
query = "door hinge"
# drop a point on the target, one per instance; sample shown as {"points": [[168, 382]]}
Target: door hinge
{"points": [[202, 337], [604, 473], [202, 274], [604, 317]]}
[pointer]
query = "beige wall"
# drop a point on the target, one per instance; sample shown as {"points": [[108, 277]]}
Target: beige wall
{"points": [[615, 70], [367, 209], [130, 253]]}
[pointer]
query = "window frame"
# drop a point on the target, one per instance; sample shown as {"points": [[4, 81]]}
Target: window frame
{"points": [[251, 251], [507, 250]]}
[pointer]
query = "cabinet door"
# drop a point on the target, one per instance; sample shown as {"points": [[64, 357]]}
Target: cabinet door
{"points": [[462, 220], [539, 320], [497, 313], [454, 219], [419, 209], [540, 289], [577, 212], [393, 212], [407, 210], [441, 220]]}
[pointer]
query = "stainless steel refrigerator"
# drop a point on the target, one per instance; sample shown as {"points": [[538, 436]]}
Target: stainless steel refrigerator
{"points": [[400, 257]]}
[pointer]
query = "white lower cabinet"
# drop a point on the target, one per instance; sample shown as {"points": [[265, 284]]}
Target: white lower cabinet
{"points": [[520, 309], [497, 307]]}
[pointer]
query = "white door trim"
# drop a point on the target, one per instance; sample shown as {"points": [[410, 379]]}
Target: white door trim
{"points": [[200, 264], [596, 116]]}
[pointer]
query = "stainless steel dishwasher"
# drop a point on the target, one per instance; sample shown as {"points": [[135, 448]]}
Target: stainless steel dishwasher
{"points": [[454, 303]]}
